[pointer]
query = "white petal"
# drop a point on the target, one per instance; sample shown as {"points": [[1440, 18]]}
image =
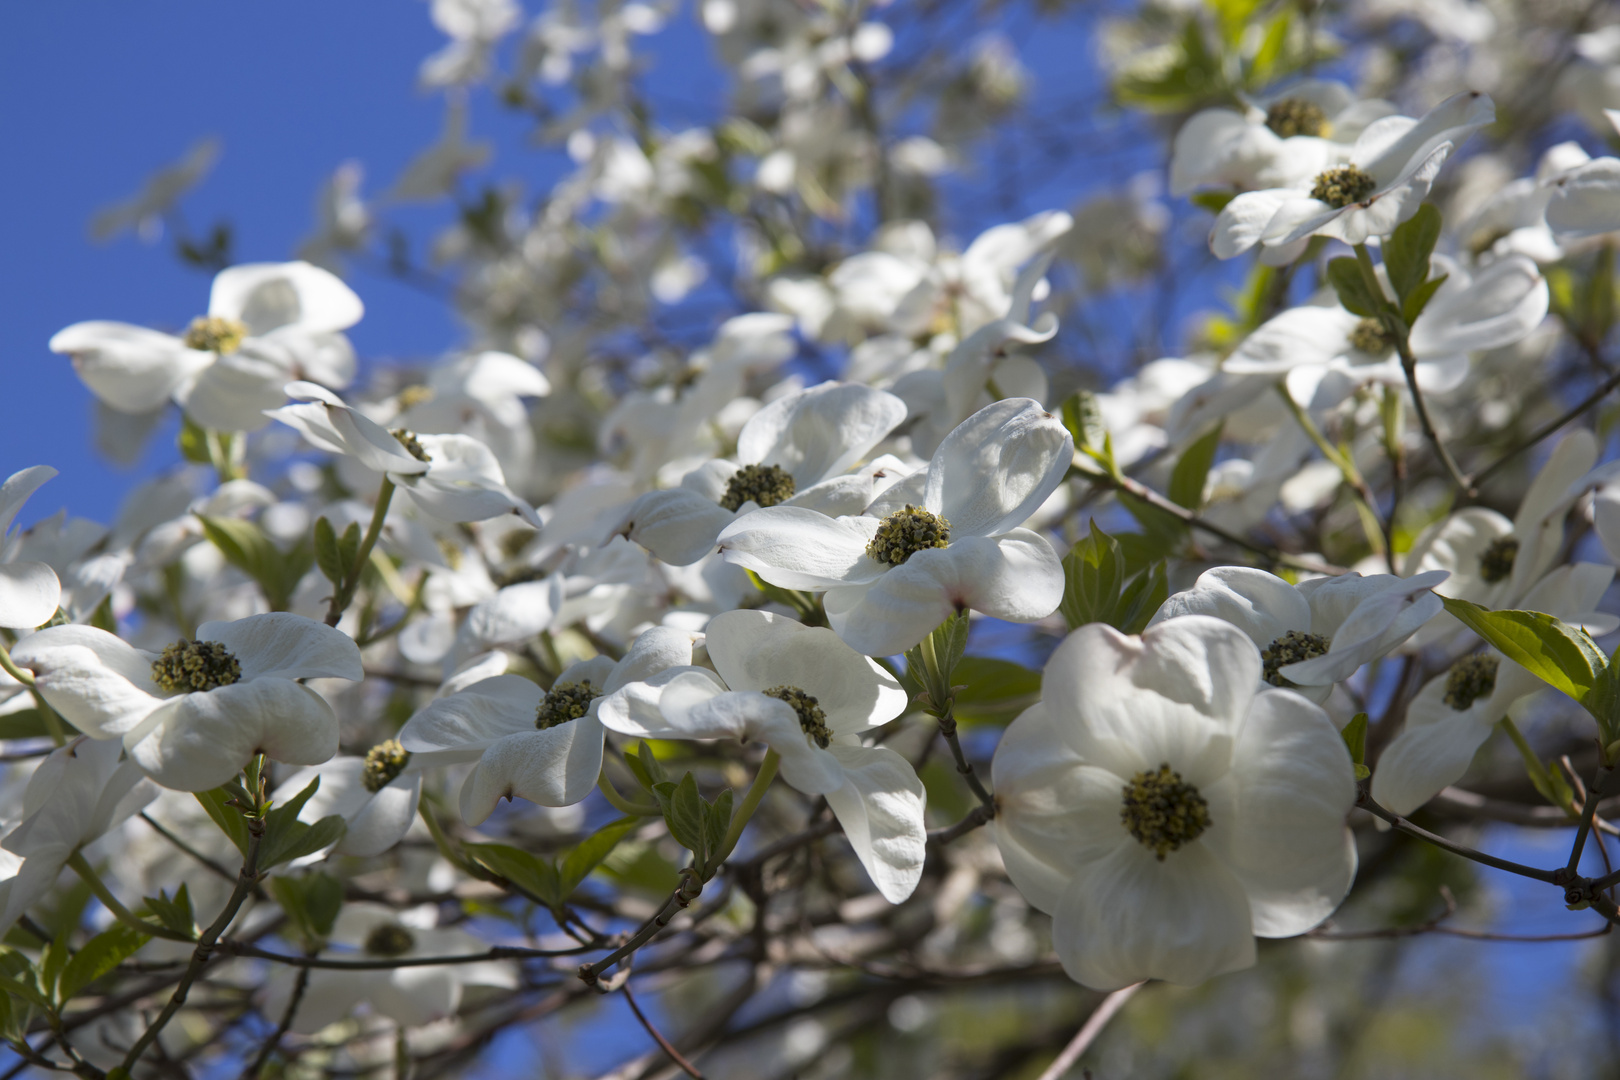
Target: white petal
{"points": [[819, 432], [234, 392], [198, 741], [1262, 605], [657, 649], [1055, 815], [516, 613], [1175, 695], [99, 683], [997, 467], [1584, 203], [695, 711], [1383, 611], [475, 717], [268, 296], [633, 709], [286, 646], [801, 549], [880, 806], [1130, 917], [1292, 786], [384, 819], [757, 650], [1502, 304], [130, 368], [16, 490], [1445, 125], [1241, 222], [1302, 335], [554, 767], [678, 525], [29, 593]]}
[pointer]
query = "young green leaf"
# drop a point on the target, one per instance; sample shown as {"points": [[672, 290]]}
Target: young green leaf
{"points": [[684, 811], [176, 913], [589, 853], [537, 878], [1408, 249], [100, 955], [1355, 738], [228, 818], [1344, 274], [1555, 652], [327, 556], [1419, 298], [1192, 469]]}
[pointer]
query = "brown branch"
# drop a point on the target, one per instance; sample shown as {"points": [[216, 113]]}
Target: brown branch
{"points": [[674, 1054]]}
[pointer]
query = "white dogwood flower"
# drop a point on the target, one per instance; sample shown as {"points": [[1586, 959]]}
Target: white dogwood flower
{"points": [[193, 716], [896, 572], [796, 451], [29, 589], [452, 477], [808, 696], [267, 324], [78, 793], [1381, 183], [1455, 712], [540, 745], [1317, 633], [1165, 811], [375, 795]]}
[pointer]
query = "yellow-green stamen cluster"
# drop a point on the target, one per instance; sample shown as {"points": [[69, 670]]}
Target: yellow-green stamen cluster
{"points": [[1163, 811], [1471, 678], [187, 665], [389, 939], [1370, 337], [765, 485], [1296, 116], [414, 395], [212, 333], [1342, 186], [812, 718], [384, 761], [1291, 648], [412, 445], [906, 532], [564, 702], [1496, 562]]}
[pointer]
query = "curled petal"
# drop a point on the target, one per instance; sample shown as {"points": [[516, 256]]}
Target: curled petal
{"points": [[880, 806]]}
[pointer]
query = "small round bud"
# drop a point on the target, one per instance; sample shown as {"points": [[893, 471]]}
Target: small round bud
{"points": [[1291, 648], [906, 532], [1370, 337], [384, 761], [1471, 678], [1296, 116], [412, 445], [188, 666], [1163, 811], [812, 718], [765, 485], [211, 333], [564, 702], [389, 939], [1496, 562], [1342, 186]]}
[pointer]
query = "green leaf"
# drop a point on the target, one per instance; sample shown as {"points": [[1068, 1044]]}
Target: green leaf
{"points": [[1145, 594], [53, 958], [327, 556], [1192, 468], [228, 818], [1268, 59], [1093, 575], [1355, 738], [994, 691], [1083, 418], [311, 901], [100, 955], [286, 838], [684, 813], [27, 991], [176, 913], [23, 724], [249, 548], [349, 547], [193, 442], [1420, 297], [1344, 274], [536, 877], [1555, 652], [1213, 201], [716, 822], [1408, 249], [588, 854]]}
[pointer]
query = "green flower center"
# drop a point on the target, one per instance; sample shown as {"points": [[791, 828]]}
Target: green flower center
{"points": [[1496, 562], [1342, 186], [412, 445], [384, 761], [1163, 811], [414, 395], [212, 333], [1371, 338], [906, 532], [766, 485], [1291, 648], [186, 666], [811, 716], [565, 701], [1471, 678], [1295, 116], [389, 939]]}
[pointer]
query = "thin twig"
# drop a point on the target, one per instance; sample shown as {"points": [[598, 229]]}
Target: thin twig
{"points": [[1365, 801], [978, 816], [1089, 1031], [1549, 428], [674, 1055]]}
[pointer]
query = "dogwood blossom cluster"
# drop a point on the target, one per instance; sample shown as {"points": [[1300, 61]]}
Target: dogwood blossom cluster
{"points": [[910, 627]]}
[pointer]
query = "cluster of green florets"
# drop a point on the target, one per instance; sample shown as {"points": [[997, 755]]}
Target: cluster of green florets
{"points": [[412, 445], [764, 485], [1471, 678], [565, 701], [1496, 561], [215, 334], [1341, 186], [187, 666], [389, 939], [384, 761], [906, 532], [1371, 337], [1163, 811], [1291, 648], [1296, 116], [812, 718]]}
